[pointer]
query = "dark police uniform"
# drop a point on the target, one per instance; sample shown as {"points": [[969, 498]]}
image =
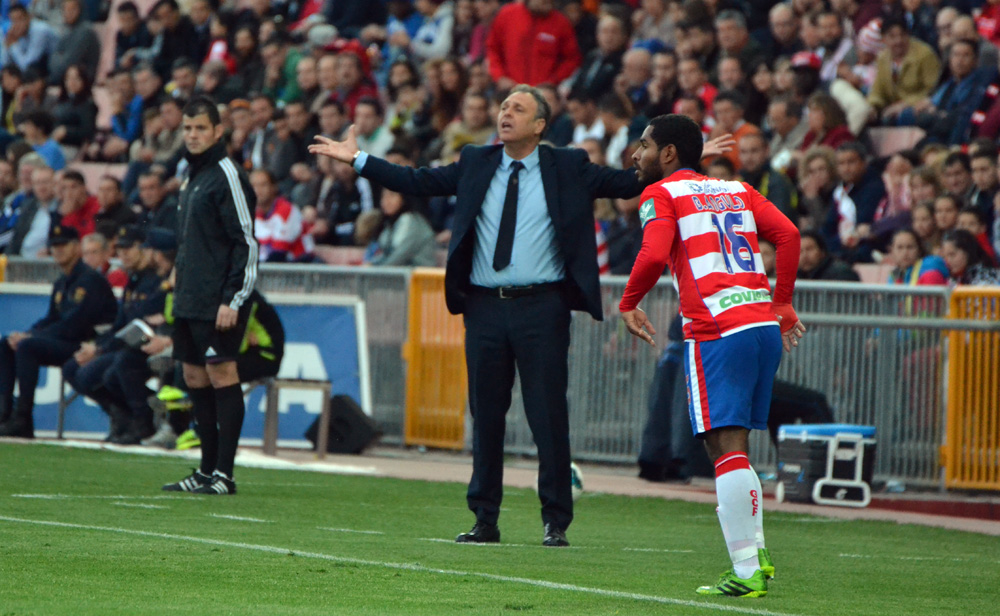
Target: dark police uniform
{"points": [[123, 399], [80, 301]]}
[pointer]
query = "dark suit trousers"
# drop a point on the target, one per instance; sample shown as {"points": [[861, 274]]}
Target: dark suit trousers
{"points": [[24, 364], [532, 333]]}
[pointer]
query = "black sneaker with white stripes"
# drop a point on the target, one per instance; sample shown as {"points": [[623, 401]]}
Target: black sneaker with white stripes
{"points": [[191, 483], [220, 485]]}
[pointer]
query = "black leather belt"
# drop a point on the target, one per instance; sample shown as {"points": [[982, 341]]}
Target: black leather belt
{"points": [[515, 292]]}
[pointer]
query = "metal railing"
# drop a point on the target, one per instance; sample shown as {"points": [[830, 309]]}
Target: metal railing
{"points": [[875, 351]]}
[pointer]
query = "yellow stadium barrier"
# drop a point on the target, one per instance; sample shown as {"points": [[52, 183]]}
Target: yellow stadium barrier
{"points": [[971, 454], [435, 373], [3, 267]]}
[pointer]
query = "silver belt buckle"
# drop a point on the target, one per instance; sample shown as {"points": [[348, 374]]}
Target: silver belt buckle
{"points": [[502, 296]]}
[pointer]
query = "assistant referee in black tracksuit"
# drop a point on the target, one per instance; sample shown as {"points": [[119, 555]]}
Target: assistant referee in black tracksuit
{"points": [[215, 275]]}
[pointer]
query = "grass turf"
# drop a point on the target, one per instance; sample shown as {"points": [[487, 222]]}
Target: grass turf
{"points": [[120, 546]]}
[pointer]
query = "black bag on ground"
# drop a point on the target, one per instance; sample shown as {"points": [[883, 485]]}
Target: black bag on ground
{"points": [[791, 404], [351, 431]]}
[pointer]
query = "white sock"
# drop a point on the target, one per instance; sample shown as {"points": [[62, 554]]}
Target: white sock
{"points": [[739, 505], [759, 518]]}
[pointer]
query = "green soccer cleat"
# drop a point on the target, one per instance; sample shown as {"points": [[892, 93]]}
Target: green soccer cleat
{"points": [[731, 586], [188, 440], [766, 564]]}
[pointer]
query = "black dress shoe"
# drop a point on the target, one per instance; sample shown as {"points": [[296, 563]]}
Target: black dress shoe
{"points": [[555, 537], [482, 532], [17, 427]]}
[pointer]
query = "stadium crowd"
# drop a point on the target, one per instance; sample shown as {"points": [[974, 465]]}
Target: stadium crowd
{"points": [[871, 124], [858, 118]]}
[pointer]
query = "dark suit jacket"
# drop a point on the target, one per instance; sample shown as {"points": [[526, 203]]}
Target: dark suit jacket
{"points": [[571, 184]]}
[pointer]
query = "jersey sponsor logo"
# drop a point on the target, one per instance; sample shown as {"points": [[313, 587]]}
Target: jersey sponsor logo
{"points": [[647, 211], [744, 297]]}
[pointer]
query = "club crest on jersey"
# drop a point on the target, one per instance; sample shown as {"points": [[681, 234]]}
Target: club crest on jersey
{"points": [[717, 203], [647, 211]]}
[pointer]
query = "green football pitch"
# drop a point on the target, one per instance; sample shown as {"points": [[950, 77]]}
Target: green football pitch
{"points": [[89, 532]]}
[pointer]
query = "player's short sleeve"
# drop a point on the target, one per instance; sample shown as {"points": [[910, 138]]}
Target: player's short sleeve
{"points": [[655, 203]]}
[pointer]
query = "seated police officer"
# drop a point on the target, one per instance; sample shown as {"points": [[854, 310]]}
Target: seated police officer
{"points": [[92, 368], [81, 300]]}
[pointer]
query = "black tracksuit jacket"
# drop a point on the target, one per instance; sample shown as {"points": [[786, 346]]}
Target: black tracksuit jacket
{"points": [[217, 253]]}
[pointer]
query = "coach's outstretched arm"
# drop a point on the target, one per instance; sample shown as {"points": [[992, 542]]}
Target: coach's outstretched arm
{"points": [[422, 182]]}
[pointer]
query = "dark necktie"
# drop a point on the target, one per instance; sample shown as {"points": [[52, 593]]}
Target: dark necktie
{"points": [[508, 221]]}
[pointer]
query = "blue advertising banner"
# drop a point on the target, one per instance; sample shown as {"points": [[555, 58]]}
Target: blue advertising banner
{"points": [[324, 339]]}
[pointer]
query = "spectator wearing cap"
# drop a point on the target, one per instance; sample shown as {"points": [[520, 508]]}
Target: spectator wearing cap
{"points": [[806, 67], [97, 252], [77, 45], [36, 127], [179, 38], [907, 71], [81, 300], [531, 43], [28, 42], [95, 370], [946, 114], [816, 262], [114, 213], [352, 85], [132, 33], [859, 67], [729, 107], [597, 75], [34, 216]]}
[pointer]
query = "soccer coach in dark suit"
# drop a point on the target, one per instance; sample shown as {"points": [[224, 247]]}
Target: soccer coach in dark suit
{"points": [[522, 256]]}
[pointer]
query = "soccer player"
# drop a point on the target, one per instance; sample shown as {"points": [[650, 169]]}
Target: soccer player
{"points": [[706, 230], [216, 271]]}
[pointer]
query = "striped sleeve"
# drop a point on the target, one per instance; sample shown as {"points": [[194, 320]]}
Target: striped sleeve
{"points": [[237, 217]]}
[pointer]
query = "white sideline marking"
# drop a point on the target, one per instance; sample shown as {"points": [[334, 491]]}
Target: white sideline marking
{"points": [[657, 550], [952, 559], [350, 530], [269, 549], [114, 497], [237, 518], [139, 505], [509, 545]]}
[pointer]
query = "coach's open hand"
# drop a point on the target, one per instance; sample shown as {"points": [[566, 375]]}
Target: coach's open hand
{"points": [[343, 151], [719, 145], [226, 319], [635, 321]]}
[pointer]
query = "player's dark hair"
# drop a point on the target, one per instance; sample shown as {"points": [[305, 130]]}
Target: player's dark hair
{"points": [[683, 133], [199, 105]]}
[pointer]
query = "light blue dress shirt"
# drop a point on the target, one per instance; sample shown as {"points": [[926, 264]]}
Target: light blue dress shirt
{"points": [[535, 258]]}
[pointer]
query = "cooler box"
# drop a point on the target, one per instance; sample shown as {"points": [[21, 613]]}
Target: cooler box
{"points": [[827, 464]]}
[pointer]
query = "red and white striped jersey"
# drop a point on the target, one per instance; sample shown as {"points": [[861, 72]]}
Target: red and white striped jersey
{"points": [[281, 230], [714, 259]]}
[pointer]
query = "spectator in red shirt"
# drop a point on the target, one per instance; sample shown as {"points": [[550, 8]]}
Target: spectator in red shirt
{"points": [[531, 43], [351, 86], [77, 207], [278, 227]]}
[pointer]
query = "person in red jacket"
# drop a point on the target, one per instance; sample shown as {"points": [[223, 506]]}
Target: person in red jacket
{"points": [[77, 207], [531, 43]]}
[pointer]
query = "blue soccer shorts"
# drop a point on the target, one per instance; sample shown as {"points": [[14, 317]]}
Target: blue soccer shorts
{"points": [[729, 380]]}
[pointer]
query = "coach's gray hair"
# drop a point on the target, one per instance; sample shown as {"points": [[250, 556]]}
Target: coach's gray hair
{"points": [[731, 15], [544, 112]]}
